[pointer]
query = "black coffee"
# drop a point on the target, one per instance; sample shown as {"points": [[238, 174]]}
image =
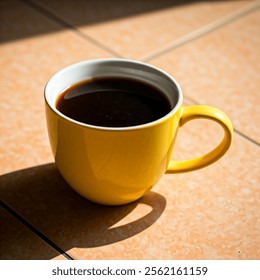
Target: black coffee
{"points": [[113, 102]]}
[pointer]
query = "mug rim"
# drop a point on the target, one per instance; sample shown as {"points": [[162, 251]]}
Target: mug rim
{"points": [[116, 60]]}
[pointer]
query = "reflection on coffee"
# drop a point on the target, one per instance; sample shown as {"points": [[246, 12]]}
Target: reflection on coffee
{"points": [[113, 102]]}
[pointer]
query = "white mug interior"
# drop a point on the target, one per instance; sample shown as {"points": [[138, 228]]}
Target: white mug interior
{"points": [[123, 68]]}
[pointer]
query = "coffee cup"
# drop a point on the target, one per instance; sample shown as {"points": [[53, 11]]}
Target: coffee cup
{"points": [[118, 164]]}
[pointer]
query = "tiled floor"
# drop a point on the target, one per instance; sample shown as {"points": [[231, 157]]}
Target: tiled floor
{"points": [[212, 49]]}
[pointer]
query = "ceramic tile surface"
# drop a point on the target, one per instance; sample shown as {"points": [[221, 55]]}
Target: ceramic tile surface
{"points": [[19, 243], [212, 213], [134, 28]]}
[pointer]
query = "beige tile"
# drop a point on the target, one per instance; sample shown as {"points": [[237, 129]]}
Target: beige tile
{"points": [[26, 65], [59, 258], [134, 28], [212, 213], [20, 243], [222, 69], [18, 21]]}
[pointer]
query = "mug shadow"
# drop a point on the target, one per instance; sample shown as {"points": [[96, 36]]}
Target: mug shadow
{"points": [[43, 199]]}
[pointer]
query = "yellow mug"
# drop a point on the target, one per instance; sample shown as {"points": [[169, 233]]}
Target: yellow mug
{"points": [[115, 166]]}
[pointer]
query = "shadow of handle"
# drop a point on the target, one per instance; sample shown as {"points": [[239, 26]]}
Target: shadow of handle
{"points": [[116, 234]]}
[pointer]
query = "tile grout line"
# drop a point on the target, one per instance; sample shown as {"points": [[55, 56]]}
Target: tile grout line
{"points": [[246, 137], [194, 102], [201, 31], [35, 230], [68, 26]]}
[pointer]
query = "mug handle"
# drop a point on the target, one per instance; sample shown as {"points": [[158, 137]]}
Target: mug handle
{"points": [[205, 112]]}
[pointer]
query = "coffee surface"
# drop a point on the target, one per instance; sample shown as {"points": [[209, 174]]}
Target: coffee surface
{"points": [[113, 102]]}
